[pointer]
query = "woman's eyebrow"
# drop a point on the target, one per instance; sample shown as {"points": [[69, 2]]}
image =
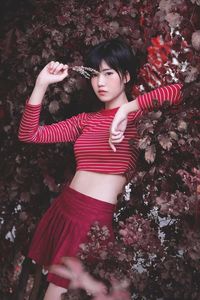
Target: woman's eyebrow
{"points": [[106, 69]]}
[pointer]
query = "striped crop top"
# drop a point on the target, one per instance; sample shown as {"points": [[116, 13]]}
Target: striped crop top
{"points": [[90, 133]]}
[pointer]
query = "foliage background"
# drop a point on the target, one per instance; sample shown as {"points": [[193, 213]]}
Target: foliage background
{"points": [[158, 239]]}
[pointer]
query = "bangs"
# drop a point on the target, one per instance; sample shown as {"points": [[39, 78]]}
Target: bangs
{"points": [[96, 57], [117, 55]]}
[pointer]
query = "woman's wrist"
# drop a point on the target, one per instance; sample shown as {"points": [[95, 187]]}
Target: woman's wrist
{"points": [[41, 85], [131, 106], [38, 94]]}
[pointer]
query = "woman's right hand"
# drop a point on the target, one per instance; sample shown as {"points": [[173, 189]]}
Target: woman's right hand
{"points": [[53, 72]]}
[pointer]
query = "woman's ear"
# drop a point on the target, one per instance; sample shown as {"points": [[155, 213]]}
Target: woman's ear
{"points": [[127, 77]]}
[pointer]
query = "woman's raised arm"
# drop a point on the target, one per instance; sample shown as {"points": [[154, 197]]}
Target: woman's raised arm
{"points": [[53, 72], [148, 101], [30, 130], [171, 93], [156, 98], [64, 131]]}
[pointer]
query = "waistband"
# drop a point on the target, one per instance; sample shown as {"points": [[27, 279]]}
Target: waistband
{"points": [[79, 205]]}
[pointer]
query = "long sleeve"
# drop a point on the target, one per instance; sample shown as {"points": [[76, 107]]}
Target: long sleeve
{"points": [[64, 131], [172, 93]]}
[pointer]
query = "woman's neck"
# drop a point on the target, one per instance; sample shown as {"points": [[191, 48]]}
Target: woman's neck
{"points": [[122, 99]]}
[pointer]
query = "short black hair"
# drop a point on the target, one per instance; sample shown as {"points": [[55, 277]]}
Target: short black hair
{"points": [[117, 54]]}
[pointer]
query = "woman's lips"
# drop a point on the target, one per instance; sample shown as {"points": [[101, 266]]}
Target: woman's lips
{"points": [[101, 92]]}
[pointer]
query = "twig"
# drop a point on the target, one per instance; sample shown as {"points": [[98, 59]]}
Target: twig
{"points": [[85, 71]]}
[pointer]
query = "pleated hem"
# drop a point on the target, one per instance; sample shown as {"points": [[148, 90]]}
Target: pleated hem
{"points": [[65, 226]]}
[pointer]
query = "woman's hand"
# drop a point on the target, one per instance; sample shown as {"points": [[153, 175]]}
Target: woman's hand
{"points": [[53, 72], [118, 127]]}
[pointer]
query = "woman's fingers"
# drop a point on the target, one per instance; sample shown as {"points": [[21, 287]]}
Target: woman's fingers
{"points": [[111, 145], [53, 66], [115, 132], [118, 128], [58, 70], [65, 67], [56, 67], [115, 140], [116, 136], [113, 129]]}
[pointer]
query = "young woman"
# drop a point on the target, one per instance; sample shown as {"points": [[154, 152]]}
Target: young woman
{"points": [[104, 158]]}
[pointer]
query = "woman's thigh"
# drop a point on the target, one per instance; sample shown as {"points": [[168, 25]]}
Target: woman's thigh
{"points": [[54, 292]]}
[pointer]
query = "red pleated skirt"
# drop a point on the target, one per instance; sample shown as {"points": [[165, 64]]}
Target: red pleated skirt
{"points": [[65, 226]]}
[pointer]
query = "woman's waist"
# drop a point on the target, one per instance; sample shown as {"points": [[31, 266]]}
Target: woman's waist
{"points": [[104, 187], [76, 205]]}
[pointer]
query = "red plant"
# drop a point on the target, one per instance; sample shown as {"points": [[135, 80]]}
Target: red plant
{"points": [[157, 249]]}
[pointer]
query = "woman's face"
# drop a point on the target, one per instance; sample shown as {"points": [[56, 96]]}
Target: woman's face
{"points": [[108, 85]]}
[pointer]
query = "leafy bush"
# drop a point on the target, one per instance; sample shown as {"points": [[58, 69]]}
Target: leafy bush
{"points": [[158, 238]]}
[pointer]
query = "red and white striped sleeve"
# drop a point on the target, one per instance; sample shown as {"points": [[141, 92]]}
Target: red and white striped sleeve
{"points": [[64, 131], [171, 93]]}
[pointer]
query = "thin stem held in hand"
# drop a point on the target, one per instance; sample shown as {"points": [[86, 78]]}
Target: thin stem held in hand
{"points": [[85, 71]]}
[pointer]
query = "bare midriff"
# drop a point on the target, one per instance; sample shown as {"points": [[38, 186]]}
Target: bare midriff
{"points": [[104, 187]]}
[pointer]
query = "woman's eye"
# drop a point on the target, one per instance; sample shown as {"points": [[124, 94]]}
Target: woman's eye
{"points": [[108, 73]]}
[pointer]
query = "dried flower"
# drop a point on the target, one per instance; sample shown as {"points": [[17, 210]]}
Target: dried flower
{"points": [[85, 71]]}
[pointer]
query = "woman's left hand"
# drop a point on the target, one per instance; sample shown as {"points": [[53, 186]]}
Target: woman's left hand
{"points": [[118, 127]]}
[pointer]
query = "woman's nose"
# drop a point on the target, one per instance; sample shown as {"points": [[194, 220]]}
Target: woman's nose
{"points": [[101, 80]]}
